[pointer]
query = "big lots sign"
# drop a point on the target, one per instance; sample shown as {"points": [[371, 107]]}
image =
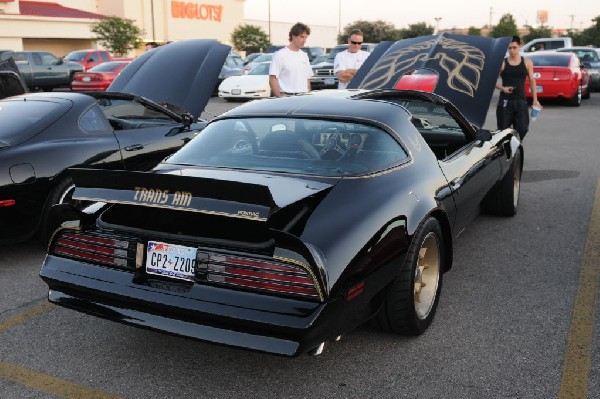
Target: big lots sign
{"points": [[210, 12]]}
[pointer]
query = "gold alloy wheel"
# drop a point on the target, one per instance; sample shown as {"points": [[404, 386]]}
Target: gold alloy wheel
{"points": [[427, 276], [516, 185]]}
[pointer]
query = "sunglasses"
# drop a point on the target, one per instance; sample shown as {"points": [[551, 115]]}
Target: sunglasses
{"points": [[353, 42]]}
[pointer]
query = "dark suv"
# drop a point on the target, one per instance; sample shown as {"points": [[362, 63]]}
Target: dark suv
{"points": [[323, 76]]}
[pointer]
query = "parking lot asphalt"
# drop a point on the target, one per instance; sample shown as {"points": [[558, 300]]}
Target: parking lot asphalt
{"points": [[518, 315]]}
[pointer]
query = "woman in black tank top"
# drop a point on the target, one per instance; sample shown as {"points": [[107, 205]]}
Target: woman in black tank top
{"points": [[512, 107]]}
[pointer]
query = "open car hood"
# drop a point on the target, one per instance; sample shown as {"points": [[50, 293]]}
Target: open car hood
{"points": [[468, 68], [180, 75], [11, 83]]}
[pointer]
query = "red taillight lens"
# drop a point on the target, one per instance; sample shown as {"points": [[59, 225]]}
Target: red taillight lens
{"points": [[257, 274], [9, 202], [95, 249], [562, 75]]}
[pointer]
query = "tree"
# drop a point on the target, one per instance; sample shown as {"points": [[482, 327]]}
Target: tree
{"points": [[505, 27], [534, 33], [474, 31], [589, 36], [250, 38], [416, 30], [373, 31], [118, 35]]}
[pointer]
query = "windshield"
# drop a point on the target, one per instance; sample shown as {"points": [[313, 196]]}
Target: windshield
{"points": [[260, 69], [557, 60], [263, 58], [76, 56], [302, 146]]}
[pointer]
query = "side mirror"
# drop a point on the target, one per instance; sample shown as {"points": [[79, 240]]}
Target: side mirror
{"points": [[483, 135], [187, 119]]}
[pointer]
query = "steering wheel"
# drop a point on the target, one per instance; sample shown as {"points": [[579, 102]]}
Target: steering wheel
{"points": [[333, 148]]}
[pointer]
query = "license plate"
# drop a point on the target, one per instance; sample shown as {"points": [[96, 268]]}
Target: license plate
{"points": [[539, 89], [329, 81], [170, 260], [236, 91], [86, 79]]}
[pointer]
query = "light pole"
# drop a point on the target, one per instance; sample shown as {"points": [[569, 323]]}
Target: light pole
{"points": [[340, 17], [269, 3], [437, 24]]}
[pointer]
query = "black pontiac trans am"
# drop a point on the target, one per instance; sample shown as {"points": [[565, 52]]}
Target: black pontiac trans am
{"points": [[288, 222], [149, 111]]}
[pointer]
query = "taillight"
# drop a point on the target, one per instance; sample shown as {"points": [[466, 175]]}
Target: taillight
{"points": [[4, 203], [95, 249], [562, 75], [256, 274]]}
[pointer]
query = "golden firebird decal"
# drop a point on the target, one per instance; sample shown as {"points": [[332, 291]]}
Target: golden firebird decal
{"points": [[158, 196], [462, 62]]}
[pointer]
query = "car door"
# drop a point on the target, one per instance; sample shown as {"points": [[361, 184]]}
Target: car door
{"points": [[471, 173], [52, 71], [471, 170]]}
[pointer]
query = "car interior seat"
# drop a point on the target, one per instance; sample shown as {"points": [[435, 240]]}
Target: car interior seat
{"points": [[287, 144]]}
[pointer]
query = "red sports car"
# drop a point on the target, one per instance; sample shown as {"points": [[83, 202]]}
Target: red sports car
{"points": [[99, 77], [559, 75]]}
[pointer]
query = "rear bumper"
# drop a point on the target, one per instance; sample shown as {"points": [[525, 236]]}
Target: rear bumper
{"points": [[281, 326], [554, 89]]}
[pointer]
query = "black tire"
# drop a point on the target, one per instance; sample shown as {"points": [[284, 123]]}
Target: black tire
{"points": [[503, 199], [587, 94], [410, 305], [575, 101], [60, 194]]}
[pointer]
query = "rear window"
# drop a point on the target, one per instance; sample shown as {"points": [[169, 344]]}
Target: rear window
{"points": [[106, 67], [301, 146], [558, 60], [34, 116]]}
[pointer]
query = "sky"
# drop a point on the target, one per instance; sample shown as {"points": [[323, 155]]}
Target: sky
{"points": [[562, 14]]}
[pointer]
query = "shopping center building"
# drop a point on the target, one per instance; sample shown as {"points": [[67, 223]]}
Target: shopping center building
{"points": [[65, 25]]}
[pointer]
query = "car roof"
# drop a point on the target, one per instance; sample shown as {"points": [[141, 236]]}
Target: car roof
{"points": [[335, 104]]}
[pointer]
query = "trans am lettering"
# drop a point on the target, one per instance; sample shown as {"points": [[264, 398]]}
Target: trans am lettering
{"points": [[158, 196]]}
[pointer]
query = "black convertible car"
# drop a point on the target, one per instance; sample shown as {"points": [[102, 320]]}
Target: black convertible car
{"points": [[150, 111], [288, 222]]}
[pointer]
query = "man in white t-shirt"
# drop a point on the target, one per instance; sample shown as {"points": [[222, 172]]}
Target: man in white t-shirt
{"points": [[347, 62], [290, 67]]}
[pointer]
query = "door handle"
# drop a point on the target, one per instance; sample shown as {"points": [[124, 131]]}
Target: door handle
{"points": [[134, 147], [455, 184]]}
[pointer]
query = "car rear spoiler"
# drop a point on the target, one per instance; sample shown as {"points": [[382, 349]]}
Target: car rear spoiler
{"points": [[159, 190]]}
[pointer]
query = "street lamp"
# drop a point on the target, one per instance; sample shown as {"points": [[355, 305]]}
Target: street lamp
{"points": [[269, 20], [437, 24], [340, 17]]}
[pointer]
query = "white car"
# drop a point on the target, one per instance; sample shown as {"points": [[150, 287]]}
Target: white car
{"points": [[253, 85]]}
